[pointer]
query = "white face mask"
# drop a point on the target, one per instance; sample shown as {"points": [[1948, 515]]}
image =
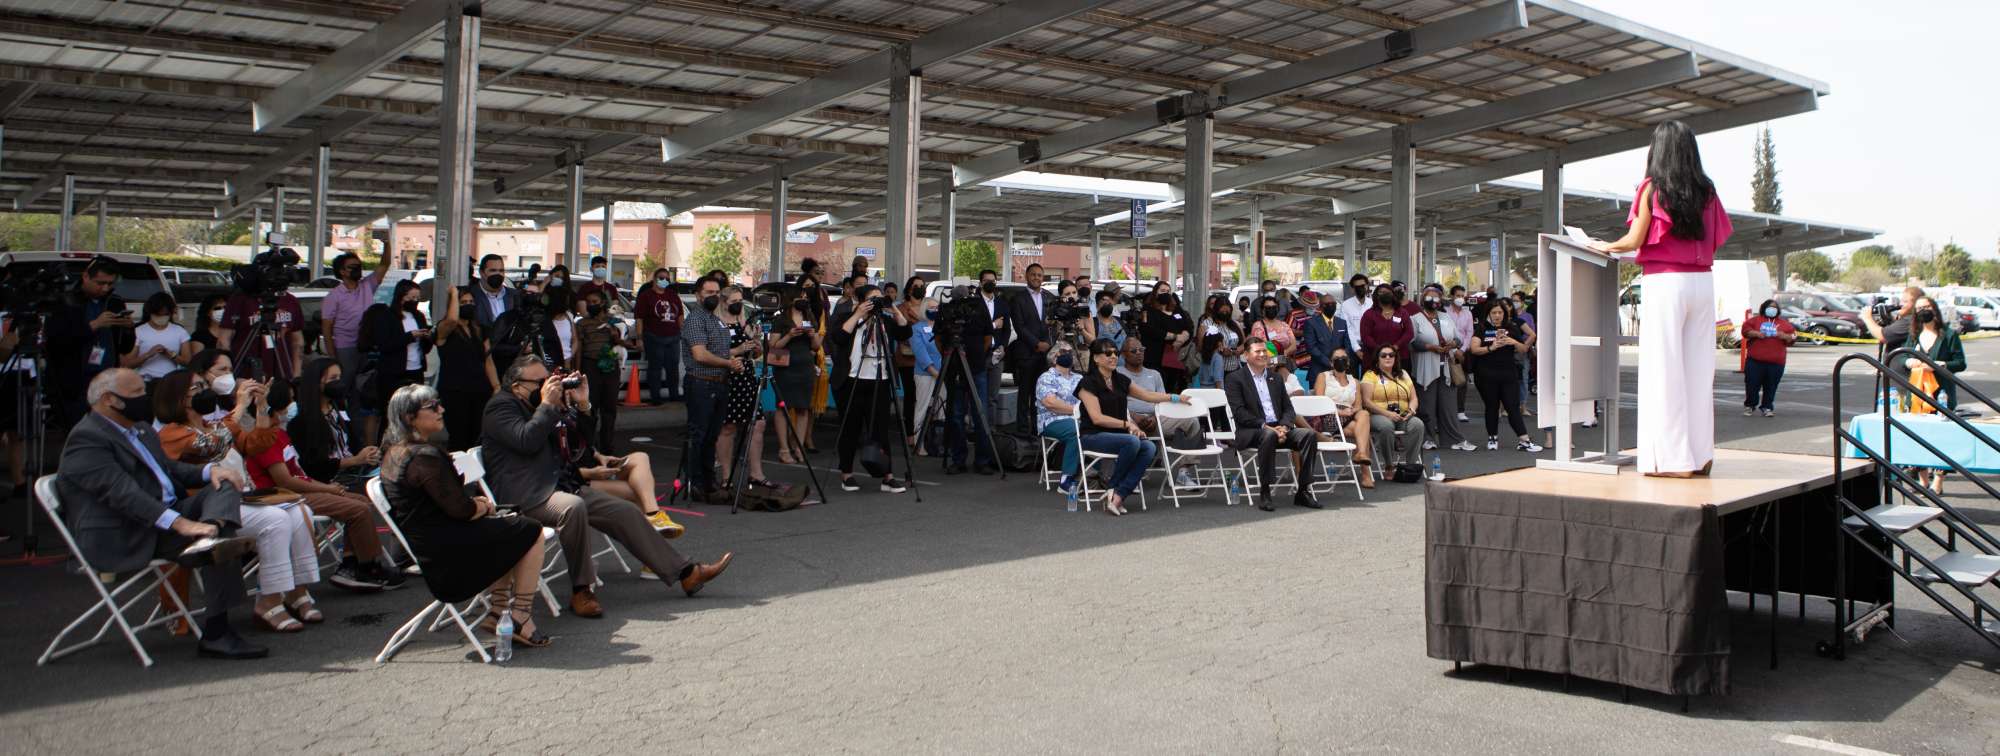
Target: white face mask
{"points": [[1458, 301], [224, 384], [216, 315], [160, 321]]}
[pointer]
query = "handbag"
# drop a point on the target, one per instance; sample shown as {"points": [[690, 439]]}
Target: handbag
{"points": [[1407, 472]]}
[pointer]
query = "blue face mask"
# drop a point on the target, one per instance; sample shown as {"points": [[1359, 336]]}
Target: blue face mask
{"points": [[1065, 361], [930, 314], [599, 273], [661, 284], [1770, 312]]}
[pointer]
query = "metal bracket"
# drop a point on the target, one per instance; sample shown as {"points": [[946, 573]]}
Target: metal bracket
{"points": [[1399, 45], [1029, 152]]}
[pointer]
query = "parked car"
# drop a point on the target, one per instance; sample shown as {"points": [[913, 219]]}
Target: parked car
{"points": [[1818, 305], [1980, 303], [1814, 329], [138, 277]]}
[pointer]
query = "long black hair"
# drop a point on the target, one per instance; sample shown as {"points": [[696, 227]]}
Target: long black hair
{"points": [[1679, 184], [309, 430]]}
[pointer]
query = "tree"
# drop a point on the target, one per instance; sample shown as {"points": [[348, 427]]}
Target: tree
{"points": [[1764, 177], [1880, 257], [1952, 266], [1864, 278], [1986, 272], [719, 249], [969, 256], [1325, 269], [1811, 266]]}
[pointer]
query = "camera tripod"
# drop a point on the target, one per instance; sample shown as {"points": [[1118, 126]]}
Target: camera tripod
{"points": [[956, 365], [739, 468], [30, 430], [875, 335], [262, 330]]}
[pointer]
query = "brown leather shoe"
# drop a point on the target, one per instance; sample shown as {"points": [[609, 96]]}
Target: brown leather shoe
{"points": [[583, 603], [702, 573]]}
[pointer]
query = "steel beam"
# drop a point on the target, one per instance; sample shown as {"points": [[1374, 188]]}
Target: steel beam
{"points": [[774, 269], [361, 56], [252, 177], [1552, 193], [1196, 186], [905, 114], [458, 117], [1402, 204], [316, 246], [947, 231], [1097, 271], [1007, 256], [101, 213], [573, 223], [961, 37], [514, 182], [1490, 115], [607, 225], [68, 214], [13, 96], [1350, 239], [1453, 32], [35, 191]]}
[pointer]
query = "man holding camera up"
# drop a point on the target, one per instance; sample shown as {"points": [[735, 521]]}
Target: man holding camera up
{"points": [[521, 442], [85, 338], [1028, 355], [280, 348]]}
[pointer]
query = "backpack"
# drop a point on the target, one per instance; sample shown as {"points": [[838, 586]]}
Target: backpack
{"points": [[1015, 452]]}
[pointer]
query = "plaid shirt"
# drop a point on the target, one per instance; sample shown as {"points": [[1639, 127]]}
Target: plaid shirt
{"points": [[702, 328]]}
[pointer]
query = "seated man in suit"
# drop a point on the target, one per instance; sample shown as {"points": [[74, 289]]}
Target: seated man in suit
{"points": [[1264, 421], [123, 499]]}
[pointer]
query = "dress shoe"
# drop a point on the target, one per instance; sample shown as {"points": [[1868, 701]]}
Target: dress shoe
{"points": [[1306, 500], [700, 574], [987, 470], [583, 603], [1264, 503], [228, 645], [215, 549]]}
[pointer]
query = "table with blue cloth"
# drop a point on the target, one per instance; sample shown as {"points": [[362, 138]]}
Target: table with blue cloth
{"points": [[1955, 441]]}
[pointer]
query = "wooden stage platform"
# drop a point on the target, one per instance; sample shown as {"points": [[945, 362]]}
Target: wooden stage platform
{"points": [[1740, 479]]}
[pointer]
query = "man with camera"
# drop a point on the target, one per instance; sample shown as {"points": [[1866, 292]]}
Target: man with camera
{"points": [[265, 299], [128, 503], [1027, 356], [85, 337], [525, 328], [866, 416], [1262, 408], [520, 440], [710, 360], [492, 297]]}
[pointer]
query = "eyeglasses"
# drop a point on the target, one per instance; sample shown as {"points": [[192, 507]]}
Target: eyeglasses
{"points": [[430, 405]]}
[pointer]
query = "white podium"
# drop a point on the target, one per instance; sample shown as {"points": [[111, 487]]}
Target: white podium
{"points": [[1576, 358]]}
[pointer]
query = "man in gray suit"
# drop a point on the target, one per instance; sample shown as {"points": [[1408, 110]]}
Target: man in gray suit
{"points": [[491, 296], [124, 501], [1265, 421]]}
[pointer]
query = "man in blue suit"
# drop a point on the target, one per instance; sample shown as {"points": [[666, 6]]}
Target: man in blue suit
{"points": [[1324, 332]]}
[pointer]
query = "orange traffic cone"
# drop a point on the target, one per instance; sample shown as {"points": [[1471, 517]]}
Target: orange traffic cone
{"points": [[632, 389]]}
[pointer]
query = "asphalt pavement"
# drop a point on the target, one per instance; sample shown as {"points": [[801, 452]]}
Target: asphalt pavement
{"points": [[975, 615]]}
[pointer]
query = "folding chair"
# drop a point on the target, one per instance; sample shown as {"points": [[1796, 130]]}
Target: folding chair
{"points": [[1086, 463], [408, 631], [479, 459], [132, 589], [471, 471], [1170, 456], [1317, 406], [1214, 398], [1050, 476]]}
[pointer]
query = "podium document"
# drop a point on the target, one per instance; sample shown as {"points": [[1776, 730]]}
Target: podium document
{"points": [[1577, 355]]}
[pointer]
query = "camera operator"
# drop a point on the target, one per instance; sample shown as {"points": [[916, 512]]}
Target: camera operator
{"points": [[865, 407], [493, 297], [527, 328], [281, 353], [1892, 327], [1070, 319], [85, 337], [710, 360], [840, 343], [524, 461], [1027, 357], [967, 324]]}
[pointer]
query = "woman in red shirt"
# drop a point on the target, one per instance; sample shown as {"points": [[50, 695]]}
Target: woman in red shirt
{"points": [[273, 462], [1765, 336], [1385, 325], [1676, 225]]}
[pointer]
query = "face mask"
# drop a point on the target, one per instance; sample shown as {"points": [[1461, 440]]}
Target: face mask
{"points": [[710, 302], [660, 284], [159, 321], [599, 273], [466, 312], [215, 315], [494, 281], [1329, 309], [988, 287], [1104, 311], [1926, 316], [1458, 301], [562, 280], [410, 306], [223, 385], [736, 308], [291, 412], [137, 410], [334, 391], [203, 403], [1770, 312], [351, 274], [930, 314], [1270, 312], [1430, 304], [1065, 360]]}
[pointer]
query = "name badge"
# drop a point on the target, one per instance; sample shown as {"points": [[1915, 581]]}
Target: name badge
{"points": [[1397, 320], [96, 355]]}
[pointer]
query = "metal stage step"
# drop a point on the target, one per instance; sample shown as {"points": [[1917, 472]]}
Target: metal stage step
{"points": [[1964, 568], [1898, 518]]}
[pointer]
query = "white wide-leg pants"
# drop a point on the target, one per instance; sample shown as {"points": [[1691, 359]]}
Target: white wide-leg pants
{"points": [[1676, 372]]}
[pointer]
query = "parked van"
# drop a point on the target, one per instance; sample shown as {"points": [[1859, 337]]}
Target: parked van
{"points": [[1740, 285], [1981, 304]]}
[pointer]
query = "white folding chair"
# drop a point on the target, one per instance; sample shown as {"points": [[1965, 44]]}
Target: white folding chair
{"points": [[1050, 475], [1213, 399], [478, 458], [443, 610], [1170, 456], [1318, 406], [132, 589], [1245, 467], [471, 471], [1086, 463]]}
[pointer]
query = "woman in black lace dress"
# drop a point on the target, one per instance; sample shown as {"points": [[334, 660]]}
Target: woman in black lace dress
{"points": [[462, 545]]}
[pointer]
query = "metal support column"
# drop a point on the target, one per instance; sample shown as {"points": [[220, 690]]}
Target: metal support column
{"points": [[905, 107], [1097, 256], [68, 216], [101, 211], [947, 231], [774, 266], [1402, 206], [1173, 255], [1351, 261], [1783, 272], [1430, 270], [1552, 193], [278, 210], [573, 225], [1503, 279], [1197, 183], [1464, 274], [609, 224], [257, 227], [389, 247], [458, 116], [316, 244], [1007, 256]]}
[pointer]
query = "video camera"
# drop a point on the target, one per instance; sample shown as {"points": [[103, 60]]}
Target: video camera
{"points": [[30, 298], [1884, 312], [268, 274]]}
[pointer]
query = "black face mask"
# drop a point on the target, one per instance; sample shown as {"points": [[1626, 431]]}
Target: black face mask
{"points": [[1270, 312], [334, 391], [203, 402], [351, 274], [988, 287], [1330, 309], [1926, 316], [710, 302], [494, 281], [1104, 311], [1341, 363], [467, 312], [136, 409], [1430, 304], [736, 308], [594, 310], [409, 306], [224, 401]]}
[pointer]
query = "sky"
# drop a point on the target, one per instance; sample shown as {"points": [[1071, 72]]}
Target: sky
{"points": [[1905, 142]]}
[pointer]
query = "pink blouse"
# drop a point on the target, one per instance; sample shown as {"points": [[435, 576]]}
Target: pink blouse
{"points": [[1661, 252]]}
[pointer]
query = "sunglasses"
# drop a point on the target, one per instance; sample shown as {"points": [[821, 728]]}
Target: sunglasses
{"points": [[430, 405]]}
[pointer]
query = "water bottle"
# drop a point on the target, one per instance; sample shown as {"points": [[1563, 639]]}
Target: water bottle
{"points": [[1437, 467], [1235, 484], [1895, 400], [504, 649], [1072, 497]]}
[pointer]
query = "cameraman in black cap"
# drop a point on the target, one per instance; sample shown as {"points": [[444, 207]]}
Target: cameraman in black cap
{"points": [[281, 349], [84, 338]]}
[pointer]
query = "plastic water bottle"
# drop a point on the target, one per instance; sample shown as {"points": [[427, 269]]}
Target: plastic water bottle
{"points": [[1437, 467], [504, 649], [1235, 484], [1072, 496], [1895, 400]]}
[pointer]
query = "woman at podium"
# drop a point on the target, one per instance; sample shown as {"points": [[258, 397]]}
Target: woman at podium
{"points": [[1677, 223]]}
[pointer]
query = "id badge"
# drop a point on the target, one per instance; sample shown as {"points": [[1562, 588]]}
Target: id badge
{"points": [[97, 355]]}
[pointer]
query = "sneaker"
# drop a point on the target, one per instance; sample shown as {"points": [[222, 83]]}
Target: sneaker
{"points": [[1749, 411], [647, 573], [1529, 447], [1770, 413], [1067, 486], [665, 525], [1429, 444], [351, 577], [1463, 419], [849, 485], [1492, 443], [1184, 479], [891, 485], [1464, 446], [385, 573]]}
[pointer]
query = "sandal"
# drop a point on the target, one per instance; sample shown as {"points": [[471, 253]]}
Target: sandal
{"points": [[277, 620], [306, 610], [525, 632]]}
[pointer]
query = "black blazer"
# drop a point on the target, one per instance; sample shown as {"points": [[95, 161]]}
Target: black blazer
{"points": [[518, 445], [110, 499], [1246, 408], [386, 337], [483, 310], [1030, 327]]}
